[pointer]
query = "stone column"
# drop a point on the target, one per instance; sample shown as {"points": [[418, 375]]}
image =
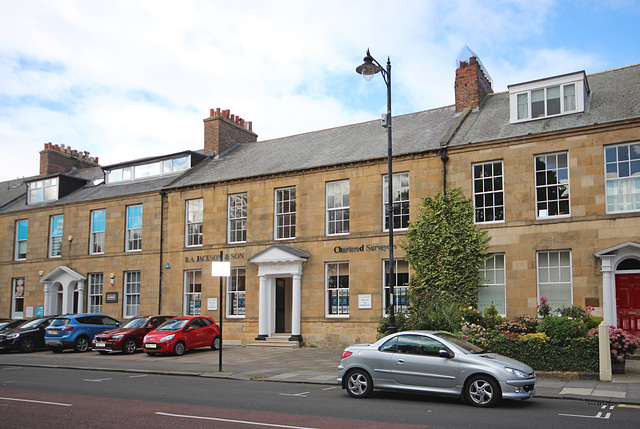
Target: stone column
{"points": [[263, 311], [608, 290], [296, 309]]}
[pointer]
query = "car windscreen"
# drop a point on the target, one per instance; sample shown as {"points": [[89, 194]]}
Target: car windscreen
{"points": [[59, 322], [31, 324], [464, 345], [138, 322], [172, 325]]}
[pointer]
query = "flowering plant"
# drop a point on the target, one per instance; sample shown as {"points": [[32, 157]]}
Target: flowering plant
{"points": [[622, 342], [543, 308]]}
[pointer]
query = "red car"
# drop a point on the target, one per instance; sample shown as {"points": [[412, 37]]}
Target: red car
{"points": [[128, 337], [183, 333]]}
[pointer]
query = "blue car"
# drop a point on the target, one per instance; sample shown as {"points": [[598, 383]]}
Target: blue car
{"points": [[76, 331]]}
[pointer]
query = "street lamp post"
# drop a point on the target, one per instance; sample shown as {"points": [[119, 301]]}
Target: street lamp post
{"points": [[367, 70]]}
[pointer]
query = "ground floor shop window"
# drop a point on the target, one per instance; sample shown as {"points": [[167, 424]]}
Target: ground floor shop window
{"points": [[236, 292], [17, 308], [337, 289], [494, 284], [131, 293], [94, 304], [401, 288], [192, 292], [554, 278]]}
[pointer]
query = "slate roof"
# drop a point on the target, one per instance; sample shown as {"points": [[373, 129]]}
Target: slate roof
{"points": [[615, 96]]}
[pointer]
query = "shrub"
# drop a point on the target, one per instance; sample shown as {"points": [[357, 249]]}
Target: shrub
{"points": [[519, 325], [562, 329], [491, 317], [621, 342]]}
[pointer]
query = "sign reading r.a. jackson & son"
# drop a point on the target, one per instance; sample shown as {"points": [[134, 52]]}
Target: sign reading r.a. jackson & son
{"points": [[213, 258]]}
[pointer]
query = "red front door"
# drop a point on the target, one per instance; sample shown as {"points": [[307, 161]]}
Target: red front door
{"points": [[628, 302]]}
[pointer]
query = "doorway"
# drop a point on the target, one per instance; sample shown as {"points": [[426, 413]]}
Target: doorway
{"points": [[628, 302], [283, 305]]}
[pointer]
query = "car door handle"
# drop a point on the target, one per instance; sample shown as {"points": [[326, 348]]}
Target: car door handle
{"points": [[400, 361]]}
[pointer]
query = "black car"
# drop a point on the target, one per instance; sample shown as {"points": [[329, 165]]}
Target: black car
{"points": [[27, 337], [7, 324]]}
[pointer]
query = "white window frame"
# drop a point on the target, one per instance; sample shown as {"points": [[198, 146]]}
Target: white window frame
{"points": [[285, 213], [622, 177], [194, 221], [21, 237], [485, 194], [401, 190], [523, 91], [133, 240], [493, 275], [338, 196], [237, 218], [341, 295], [236, 293], [55, 236], [192, 303], [554, 271], [95, 284], [18, 288], [401, 291], [96, 242], [43, 190], [131, 299], [556, 165]]}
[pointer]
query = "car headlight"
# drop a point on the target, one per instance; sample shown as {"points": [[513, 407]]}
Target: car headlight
{"points": [[117, 337], [516, 372], [168, 337], [12, 336]]}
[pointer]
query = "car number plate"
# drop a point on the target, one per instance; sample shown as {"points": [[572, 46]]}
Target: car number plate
{"points": [[150, 346], [100, 344], [53, 332]]}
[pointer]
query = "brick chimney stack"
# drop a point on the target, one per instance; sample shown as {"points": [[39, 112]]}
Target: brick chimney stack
{"points": [[222, 130], [472, 83], [58, 159]]}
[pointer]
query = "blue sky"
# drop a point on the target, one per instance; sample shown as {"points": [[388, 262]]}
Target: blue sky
{"points": [[130, 79]]}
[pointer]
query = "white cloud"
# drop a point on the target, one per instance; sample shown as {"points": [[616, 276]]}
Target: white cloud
{"points": [[129, 79]]}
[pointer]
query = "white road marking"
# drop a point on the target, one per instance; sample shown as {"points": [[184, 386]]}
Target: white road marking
{"points": [[36, 402], [232, 421], [302, 394], [99, 380]]}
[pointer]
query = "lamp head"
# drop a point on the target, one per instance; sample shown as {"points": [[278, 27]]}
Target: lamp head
{"points": [[368, 68]]}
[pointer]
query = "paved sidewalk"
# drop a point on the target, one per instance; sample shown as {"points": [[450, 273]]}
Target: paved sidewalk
{"points": [[306, 365]]}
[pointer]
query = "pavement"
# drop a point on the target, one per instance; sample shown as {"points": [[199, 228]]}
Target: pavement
{"points": [[307, 365]]}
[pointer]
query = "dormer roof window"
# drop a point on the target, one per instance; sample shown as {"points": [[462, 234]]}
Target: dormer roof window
{"points": [[43, 190], [556, 96], [152, 168]]}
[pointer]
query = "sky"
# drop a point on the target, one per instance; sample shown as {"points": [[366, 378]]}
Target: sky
{"points": [[128, 79]]}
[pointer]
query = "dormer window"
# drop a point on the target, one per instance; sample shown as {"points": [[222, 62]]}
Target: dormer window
{"points": [[544, 98], [148, 169], [43, 190]]}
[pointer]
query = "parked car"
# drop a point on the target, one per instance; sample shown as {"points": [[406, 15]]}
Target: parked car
{"points": [[435, 363], [7, 324], [27, 337], [76, 331], [127, 338], [184, 333]]}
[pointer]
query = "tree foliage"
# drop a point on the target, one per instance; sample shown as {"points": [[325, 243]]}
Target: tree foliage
{"points": [[446, 251]]}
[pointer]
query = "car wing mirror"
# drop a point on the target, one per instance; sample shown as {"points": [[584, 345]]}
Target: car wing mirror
{"points": [[445, 353]]}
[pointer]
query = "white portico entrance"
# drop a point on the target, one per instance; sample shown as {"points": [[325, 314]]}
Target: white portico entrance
{"points": [[280, 274], [63, 291]]}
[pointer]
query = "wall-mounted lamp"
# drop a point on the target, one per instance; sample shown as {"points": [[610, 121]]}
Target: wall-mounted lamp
{"points": [[70, 238], [41, 273], [112, 278], [167, 266]]}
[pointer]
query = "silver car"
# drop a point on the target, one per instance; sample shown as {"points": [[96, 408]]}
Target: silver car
{"points": [[435, 363]]}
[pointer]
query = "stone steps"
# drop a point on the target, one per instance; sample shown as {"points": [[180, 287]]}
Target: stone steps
{"points": [[276, 340]]}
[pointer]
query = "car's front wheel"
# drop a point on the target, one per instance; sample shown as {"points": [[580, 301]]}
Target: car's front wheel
{"points": [[179, 348], [129, 346], [359, 383], [482, 391], [27, 345], [81, 344], [217, 343]]}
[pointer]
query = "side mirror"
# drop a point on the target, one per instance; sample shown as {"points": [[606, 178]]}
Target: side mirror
{"points": [[445, 353]]}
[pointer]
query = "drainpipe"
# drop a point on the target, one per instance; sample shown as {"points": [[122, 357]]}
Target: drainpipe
{"points": [[163, 194], [444, 157]]}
